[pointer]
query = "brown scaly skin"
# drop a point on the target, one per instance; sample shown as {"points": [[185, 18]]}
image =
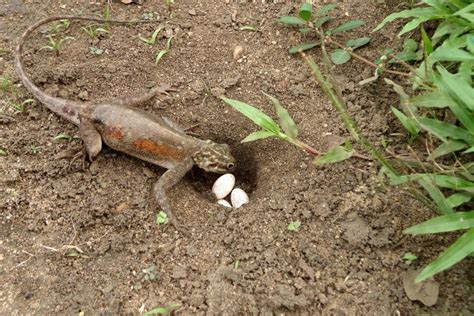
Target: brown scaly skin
{"points": [[139, 134]]}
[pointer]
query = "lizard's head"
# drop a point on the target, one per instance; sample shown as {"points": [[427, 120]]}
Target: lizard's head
{"points": [[214, 157]]}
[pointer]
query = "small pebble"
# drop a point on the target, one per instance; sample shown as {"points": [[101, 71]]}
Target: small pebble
{"points": [[223, 185], [224, 203], [238, 197]]}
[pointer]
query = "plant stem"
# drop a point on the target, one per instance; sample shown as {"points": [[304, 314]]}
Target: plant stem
{"points": [[328, 39]]}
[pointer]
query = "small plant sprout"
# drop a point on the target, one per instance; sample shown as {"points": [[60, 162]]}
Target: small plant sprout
{"points": [[409, 258], [294, 226], [61, 25], [285, 130], [169, 3], [162, 310], [96, 50], [21, 107], [162, 218], [35, 149], [3, 152], [165, 51], [93, 31], [152, 39], [107, 15], [308, 21], [5, 83], [54, 45]]}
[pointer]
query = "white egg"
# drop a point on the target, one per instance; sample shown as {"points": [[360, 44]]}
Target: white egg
{"points": [[238, 197], [224, 203], [223, 185]]}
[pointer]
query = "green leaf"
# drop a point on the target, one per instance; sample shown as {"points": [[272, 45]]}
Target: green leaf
{"points": [[427, 45], [459, 89], [404, 56], [410, 124], [450, 54], [460, 249], [358, 42], [470, 43], [436, 195], [410, 45], [162, 310], [413, 24], [444, 181], [458, 199], [294, 226], [409, 257], [327, 8], [161, 218], [319, 22], [347, 26], [160, 55], [306, 11], [445, 130], [417, 12], [257, 135], [340, 56], [285, 120], [446, 148], [465, 71], [336, 154], [291, 20], [443, 224], [254, 114], [435, 99], [302, 47]]}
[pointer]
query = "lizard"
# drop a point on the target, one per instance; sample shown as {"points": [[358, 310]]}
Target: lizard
{"points": [[124, 128]]}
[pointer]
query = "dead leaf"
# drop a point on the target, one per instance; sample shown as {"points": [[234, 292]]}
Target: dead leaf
{"points": [[426, 292]]}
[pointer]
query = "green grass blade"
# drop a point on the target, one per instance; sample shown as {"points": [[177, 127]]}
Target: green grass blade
{"points": [[446, 148], [336, 154], [445, 130], [435, 99], [458, 88], [254, 114], [413, 24], [443, 224], [410, 124], [257, 135], [458, 199], [450, 54], [417, 12], [436, 195], [285, 120], [427, 45], [460, 249]]}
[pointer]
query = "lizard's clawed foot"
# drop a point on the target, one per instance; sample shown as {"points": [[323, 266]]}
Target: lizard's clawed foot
{"points": [[163, 89], [75, 155]]}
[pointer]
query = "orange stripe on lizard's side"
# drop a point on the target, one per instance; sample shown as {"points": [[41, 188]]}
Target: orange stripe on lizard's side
{"points": [[162, 150], [116, 133]]}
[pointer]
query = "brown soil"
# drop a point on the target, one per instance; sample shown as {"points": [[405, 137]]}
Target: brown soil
{"points": [[345, 259]]}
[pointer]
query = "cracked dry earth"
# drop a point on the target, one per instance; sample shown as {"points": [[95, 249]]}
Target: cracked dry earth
{"points": [[344, 260]]}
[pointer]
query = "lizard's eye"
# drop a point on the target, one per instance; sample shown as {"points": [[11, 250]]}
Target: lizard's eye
{"points": [[230, 165]]}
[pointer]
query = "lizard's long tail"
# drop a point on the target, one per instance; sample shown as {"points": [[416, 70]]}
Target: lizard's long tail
{"points": [[69, 110]]}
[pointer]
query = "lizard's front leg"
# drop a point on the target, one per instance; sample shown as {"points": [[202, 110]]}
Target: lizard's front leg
{"points": [[170, 178]]}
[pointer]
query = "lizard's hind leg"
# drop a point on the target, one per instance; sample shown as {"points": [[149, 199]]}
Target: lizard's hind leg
{"points": [[141, 98], [91, 138]]}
